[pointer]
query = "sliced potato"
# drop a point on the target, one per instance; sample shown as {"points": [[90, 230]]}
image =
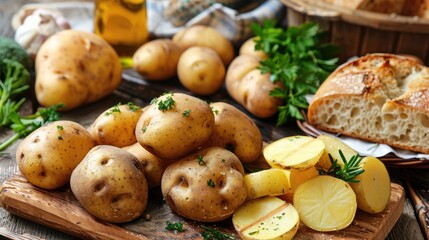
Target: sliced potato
{"points": [[332, 146], [325, 203], [270, 182], [373, 189], [266, 218], [297, 152]]}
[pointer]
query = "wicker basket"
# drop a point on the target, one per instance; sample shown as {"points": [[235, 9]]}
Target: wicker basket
{"points": [[359, 32]]}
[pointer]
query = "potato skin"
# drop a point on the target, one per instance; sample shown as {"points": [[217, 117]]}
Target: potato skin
{"points": [[110, 184], [200, 70], [75, 67], [153, 166], [172, 134], [248, 48], [251, 89], [206, 36], [205, 186], [116, 126], [157, 59], [47, 157], [236, 132]]}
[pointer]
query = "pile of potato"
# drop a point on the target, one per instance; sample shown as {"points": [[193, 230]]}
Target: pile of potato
{"points": [[179, 142], [204, 61]]}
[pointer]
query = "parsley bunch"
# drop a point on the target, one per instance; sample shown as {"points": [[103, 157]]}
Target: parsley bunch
{"points": [[298, 60]]}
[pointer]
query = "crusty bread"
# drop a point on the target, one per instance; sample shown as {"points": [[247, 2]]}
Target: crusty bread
{"points": [[381, 98]]}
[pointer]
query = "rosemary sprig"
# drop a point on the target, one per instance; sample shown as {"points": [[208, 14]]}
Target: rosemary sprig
{"points": [[347, 172]]}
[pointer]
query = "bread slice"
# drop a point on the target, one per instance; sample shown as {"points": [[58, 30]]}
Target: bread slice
{"points": [[381, 98]]}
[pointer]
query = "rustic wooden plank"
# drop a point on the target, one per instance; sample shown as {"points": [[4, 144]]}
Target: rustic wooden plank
{"points": [[60, 210], [377, 41], [347, 36], [414, 44]]}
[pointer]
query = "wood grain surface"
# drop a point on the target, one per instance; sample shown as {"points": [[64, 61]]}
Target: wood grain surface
{"points": [[59, 209], [134, 89]]}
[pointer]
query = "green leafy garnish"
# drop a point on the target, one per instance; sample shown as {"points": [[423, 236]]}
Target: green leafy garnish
{"points": [[177, 226], [297, 60], [23, 126], [214, 234], [186, 112], [347, 173], [210, 183], [113, 109], [200, 160], [166, 104], [133, 107]]}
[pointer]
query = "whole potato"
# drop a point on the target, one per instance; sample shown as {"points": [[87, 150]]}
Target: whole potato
{"points": [[236, 132], [249, 87], [206, 36], [110, 184], [116, 126], [205, 186], [157, 59], [174, 125], [153, 166], [249, 48], [201, 70], [47, 157], [74, 68]]}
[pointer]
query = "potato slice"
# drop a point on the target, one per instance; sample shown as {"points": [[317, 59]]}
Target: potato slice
{"points": [[270, 182], [266, 218], [373, 189], [296, 178], [297, 152], [332, 146], [325, 203]]}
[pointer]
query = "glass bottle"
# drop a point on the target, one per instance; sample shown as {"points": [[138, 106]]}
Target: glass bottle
{"points": [[122, 23]]}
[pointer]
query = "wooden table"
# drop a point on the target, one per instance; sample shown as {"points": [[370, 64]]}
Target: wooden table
{"points": [[16, 227]]}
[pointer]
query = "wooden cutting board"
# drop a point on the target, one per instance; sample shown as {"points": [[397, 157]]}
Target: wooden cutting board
{"points": [[59, 209]]}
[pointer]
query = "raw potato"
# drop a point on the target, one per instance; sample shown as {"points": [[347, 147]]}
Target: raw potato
{"points": [[153, 166], [47, 157], [206, 186], [248, 48], [325, 203], [332, 147], [206, 36], [266, 218], [201, 71], [251, 89], [75, 68], [174, 133], [270, 182], [157, 59], [297, 152], [116, 126], [110, 184], [373, 189], [235, 131]]}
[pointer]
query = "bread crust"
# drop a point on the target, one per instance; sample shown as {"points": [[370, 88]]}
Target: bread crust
{"points": [[380, 98]]}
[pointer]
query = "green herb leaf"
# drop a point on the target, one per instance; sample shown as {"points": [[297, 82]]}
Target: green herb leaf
{"points": [[297, 60], [177, 226], [210, 183], [348, 172], [214, 234]]}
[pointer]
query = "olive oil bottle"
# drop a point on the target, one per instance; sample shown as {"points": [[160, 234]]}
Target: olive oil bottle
{"points": [[122, 23]]}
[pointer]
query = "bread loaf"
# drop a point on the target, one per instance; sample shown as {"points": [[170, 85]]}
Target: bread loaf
{"points": [[381, 98]]}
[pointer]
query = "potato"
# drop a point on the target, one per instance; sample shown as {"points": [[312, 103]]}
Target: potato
{"points": [[373, 187], [270, 182], [174, 125], [332, 147], [157, 59], [248, 48], [206, 36], [110, 184], [235, 131], [75, 68], [295, 178], [294, 152], [153, 166], [266, 218], [325, 203], [205, 186], [251, 89], [47, 157], [116, 126], [201, 70]]}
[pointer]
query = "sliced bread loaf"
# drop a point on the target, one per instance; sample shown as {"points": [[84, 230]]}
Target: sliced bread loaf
{"points": [[381, 98]]}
